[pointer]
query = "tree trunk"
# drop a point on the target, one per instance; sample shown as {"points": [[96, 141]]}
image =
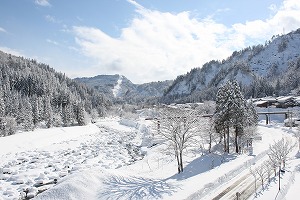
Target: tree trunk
{"points": [[178, 162], [227, 139], [209, 144], [236, 140], [181, 163], [224, 137]]}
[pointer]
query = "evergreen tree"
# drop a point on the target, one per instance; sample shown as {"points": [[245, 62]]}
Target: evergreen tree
{"points": [[32, 92], [2, 105], [232, 111], [48, 113], [81, 115], [222, 114], [251, 114], [37, 110], [68, 115], [238, 112], [26, 115]]}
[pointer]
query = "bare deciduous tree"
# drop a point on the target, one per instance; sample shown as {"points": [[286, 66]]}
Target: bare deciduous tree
{"points": [[205, 124], [179, 128], [280, 150], [261, 172], [268, 169]]}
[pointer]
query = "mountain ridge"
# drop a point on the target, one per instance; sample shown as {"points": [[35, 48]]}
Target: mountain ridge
{"points": [[119, 87], [261, 70]]}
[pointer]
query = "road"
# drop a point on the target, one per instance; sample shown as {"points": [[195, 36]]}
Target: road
{"points": [[242, 182], [245, 186]]}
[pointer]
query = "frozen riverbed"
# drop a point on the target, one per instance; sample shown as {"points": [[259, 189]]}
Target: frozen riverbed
{"points": [[34, 161]]}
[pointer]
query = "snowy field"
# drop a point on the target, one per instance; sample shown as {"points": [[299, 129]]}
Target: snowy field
{"points": [[114, 159]]}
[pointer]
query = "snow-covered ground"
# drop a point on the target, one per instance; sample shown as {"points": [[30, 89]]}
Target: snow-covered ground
{"points": [[114, 159]]}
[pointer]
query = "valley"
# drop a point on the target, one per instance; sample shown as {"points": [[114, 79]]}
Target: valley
{"points": [[104, 156]]}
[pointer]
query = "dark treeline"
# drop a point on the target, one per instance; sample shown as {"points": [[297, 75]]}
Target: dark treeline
{"points": [[34, 95]]}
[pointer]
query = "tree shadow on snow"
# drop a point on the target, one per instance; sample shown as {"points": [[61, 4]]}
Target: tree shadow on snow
{"points": [[203, 164], [117, 187]]}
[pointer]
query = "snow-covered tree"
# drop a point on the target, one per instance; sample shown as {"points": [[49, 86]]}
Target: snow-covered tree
{"points": [[2, 105], [94, 115], [279, 151], [48, 113], [261, 172], [26, 83], [206, 130], [81, 116], [238, 112], [26, 115], [268, 167], [222, 114], [232, 111], [37, 110], [67, 114], [179, 128]]}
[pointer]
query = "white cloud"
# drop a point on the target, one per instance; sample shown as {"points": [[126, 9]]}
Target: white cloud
{"points": [[11, 51], [273, 7], [3, 30], [52, 19], [287, 18], [42, 2], [161, 45], [52, 42]]}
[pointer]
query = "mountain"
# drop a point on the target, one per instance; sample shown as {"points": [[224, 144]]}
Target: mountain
{"points": [[272, 68], [120, 88], [114, 86], [33, 94]]}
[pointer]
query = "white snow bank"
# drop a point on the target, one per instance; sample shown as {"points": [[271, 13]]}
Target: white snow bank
{"points": [[25, 141], [76, 186], [129, 123]]}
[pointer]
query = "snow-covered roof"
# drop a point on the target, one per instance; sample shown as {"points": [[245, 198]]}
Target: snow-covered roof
{"points": [[284, 99], [260, 102], [297, 99], [269, 99]]}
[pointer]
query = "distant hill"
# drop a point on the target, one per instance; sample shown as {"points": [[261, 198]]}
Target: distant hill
{"points": [[33, 94], [261, 70], [122, 89]]}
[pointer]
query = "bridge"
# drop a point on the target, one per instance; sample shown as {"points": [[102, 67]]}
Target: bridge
{"points": [[267, 114]]}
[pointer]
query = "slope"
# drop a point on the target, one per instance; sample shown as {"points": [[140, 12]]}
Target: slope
{"points": [[122, 89], [33, 94], [261, 70]]}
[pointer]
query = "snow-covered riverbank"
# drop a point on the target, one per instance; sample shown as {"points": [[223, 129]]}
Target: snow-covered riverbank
{"points": [[114, 159]]}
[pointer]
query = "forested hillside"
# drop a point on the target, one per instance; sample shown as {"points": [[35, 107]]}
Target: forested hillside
{"points": [[34, 95], [261, 70], [121, 89]]}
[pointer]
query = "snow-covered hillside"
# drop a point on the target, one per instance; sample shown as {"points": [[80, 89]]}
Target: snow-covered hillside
{"points": [[268, 63], [119, 86], [115, 159], [112, 85]]}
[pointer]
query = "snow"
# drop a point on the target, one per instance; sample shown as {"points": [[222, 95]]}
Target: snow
{"points": [[269, 60], [117, 87], [117, 159]]}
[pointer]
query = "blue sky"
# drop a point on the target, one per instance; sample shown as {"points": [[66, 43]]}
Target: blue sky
{"points": [[145, 40]]}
